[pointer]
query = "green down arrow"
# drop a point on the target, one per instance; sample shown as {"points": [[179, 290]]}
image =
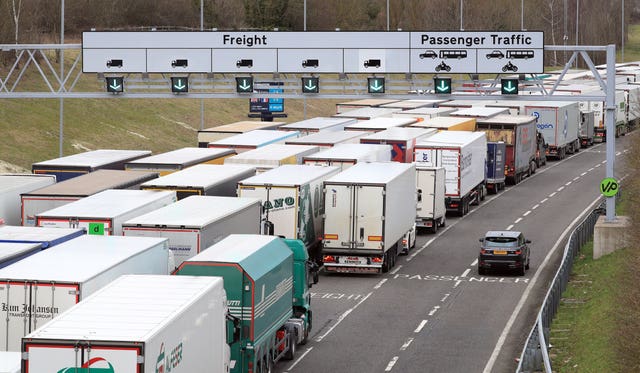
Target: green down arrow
{"points": [[510, 87], [310, 86], [179, 85], [244, 85], [114, 86], [443, 87], [376, 86]]}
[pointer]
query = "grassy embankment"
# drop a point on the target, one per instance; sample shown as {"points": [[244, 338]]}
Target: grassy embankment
{"points": [[597, 328]]}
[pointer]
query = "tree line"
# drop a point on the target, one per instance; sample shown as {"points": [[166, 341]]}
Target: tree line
{"points": [[599, 22]]}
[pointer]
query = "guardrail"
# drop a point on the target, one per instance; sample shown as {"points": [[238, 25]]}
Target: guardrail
{"points": [[535, 355]]}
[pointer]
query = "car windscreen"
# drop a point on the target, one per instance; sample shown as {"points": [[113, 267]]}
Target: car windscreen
{"points": [[500, 241]]}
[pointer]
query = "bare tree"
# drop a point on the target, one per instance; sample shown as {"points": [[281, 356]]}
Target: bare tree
{"points": [[550, 14], [15, 15]]}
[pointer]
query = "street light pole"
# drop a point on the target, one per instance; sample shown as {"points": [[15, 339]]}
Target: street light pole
{"points": [[202, 99], [622, 50], [522, 15], [461, 6], [387, 15], [60, 150]]}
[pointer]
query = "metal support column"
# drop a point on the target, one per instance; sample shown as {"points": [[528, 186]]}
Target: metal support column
{"points": [[610, 125]]}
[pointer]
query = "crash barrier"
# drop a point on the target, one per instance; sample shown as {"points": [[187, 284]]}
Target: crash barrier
{"points": [[535, 355]]}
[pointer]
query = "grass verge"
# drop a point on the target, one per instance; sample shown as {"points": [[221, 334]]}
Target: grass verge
{"points": [[584, 330]]}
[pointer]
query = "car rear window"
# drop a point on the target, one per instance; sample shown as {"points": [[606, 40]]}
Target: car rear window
{"points": [[500, 241]]}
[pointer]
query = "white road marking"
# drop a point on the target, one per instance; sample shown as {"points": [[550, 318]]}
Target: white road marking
{"points": [[598, 165], [568, 183], [425, 245], [434, 310], [456, 284], [406, 344], [582, 174], [589, 170], [603, 162], [576, 178], [535, 207], [420, 326], [445, 297], [492, 360], [518, 220], [391, 364], [552, 194], [380, 283], [509, 227], [466, 272], [527, 213], [560, 189], [474, 263], [396, 270], [618, 153], [544, 200], [300, 358], [342, 317]]}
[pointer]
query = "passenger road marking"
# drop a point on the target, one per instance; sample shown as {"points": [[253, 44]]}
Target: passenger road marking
{"points": [[484, 279], [466, 272]]}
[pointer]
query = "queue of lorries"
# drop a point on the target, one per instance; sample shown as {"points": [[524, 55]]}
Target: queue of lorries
{"points": [[202, 259]]}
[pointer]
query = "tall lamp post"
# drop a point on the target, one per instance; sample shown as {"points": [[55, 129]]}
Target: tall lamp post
{"points": [[461, 7]]}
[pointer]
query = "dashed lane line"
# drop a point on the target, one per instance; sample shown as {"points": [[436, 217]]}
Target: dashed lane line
{"points": [[509, 227], [527, 213], [518, 220], [535, 207], [552, 194], [391, 364], [406, 344], [544, 200], [474, 263], [300, 358], [420, 326], [380, 283], [396, 270], [466, 272], [434, 310]]}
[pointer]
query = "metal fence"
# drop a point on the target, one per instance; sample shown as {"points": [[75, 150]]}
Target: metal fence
{"points": [[535, 355]]}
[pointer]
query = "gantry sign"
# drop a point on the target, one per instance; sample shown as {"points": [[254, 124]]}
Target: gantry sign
{"points": [[313, 52]]}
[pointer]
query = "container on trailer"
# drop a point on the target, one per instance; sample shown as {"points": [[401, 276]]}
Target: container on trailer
{"points": [[292, 201], [267, 281], [70, 190], [598, 108], [379, 124], [272, 156], [413, 104], [179, 159], [464, 104], [326, 139], [103, 213], [46, 237], [203, 180], [317, 124], [79, 164], [558, 121], [212, 134], [446, 123], [364, 103], [401, 139], [12, 186], [344, 156], [40, 287], [369, 210], [496, 157], [463, 155], [254, 139], [10, 362], [632, 103], [518, 132], [430, 209], [586, 129], [138, 323], [479, 112], [197, 222], [366, 113], [515, 107], [11, 252]]}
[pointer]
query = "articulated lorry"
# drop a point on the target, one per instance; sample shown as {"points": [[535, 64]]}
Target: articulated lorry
{"points": [[103, 213], [79, 164], [401, 139], [317, 124], [253, 139], [137, 323], [328, 139], [272, 156], [12, 186], [463, 154], [292, 202], [267, 281], [40, 287], [518, 132], [346, 155], [197, 222], [212, 134], [70, 190], [559, 123], [45, 237], [179, 159], [370, 210], [495, 175]]}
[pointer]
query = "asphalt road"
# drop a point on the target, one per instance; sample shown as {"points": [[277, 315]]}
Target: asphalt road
{"points": [[433, 312]]}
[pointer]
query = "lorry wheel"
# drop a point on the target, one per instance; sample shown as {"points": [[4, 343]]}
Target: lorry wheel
{"points": [[483, 192], [434, 227], [291, 352], [481, 271], [443, 222], [534, 166], [385, 263]]}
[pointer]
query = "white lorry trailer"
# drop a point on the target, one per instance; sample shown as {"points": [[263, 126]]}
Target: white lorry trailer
{"points": [[327, 139], [379, 124], [292, 202], [559, 124], [401, 139], [212, 134], [369, 210], [67, 191], [463, 154], [366, 113], [179, 159], [38, 288], [12, 186], [362, 104], [79, 164], [346, 155], [142, 324], [46, 237], [197, 222], [272, 156], [103, 213], [203, 180], [11, 252], [430, 210], [317, 124], [253, 139]]}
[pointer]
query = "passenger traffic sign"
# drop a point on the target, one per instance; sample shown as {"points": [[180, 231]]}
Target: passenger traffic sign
{"points": [[609, 187]]}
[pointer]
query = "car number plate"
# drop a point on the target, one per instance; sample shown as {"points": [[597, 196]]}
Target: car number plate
{"points": [[499, 252]]}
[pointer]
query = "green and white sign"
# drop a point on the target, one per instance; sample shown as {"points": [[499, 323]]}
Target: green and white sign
{"points": [[609, 187]]}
